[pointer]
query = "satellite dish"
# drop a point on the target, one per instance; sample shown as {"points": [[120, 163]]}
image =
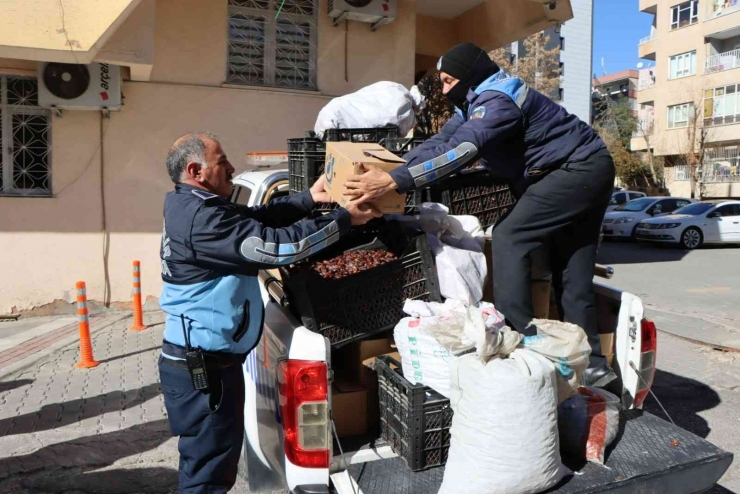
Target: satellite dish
{"points": [[640, 65], [66, 80]]}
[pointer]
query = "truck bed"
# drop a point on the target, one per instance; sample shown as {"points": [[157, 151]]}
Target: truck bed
{"points": [[648, 455]]}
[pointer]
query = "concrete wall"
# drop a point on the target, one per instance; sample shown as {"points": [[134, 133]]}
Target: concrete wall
{"points": [[577, 58], [50, 243]]}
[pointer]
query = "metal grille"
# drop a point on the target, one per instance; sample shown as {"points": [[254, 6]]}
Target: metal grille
{"points": [[721, 165], [273, 46], [24, 139]]}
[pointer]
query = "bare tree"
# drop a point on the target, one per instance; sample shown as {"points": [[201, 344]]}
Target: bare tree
{"points": [[539, 66], [697, 142], [646, 130]]}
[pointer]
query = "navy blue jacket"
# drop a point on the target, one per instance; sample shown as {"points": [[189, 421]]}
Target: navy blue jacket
{"points": [[516, 132], [211, 251]]}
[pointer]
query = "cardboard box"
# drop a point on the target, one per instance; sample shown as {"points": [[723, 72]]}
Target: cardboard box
{"points": [[343, 159], [355, 354], [349, 408]]}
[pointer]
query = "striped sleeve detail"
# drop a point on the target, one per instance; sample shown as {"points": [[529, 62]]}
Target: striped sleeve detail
{"points": [[443, 165], [257, 250]]}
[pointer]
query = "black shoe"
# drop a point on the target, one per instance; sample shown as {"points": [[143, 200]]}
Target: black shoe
{"points": [[599, 376]]}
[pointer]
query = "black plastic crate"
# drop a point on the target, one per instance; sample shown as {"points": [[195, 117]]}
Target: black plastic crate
{"points": [[302, 144], [475, 194], [369, 302], [414, 419], [402, 145], [304, 168], [375, 135]]}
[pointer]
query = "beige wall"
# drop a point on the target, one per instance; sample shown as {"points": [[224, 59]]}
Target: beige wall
{"points": [[50, 243]]}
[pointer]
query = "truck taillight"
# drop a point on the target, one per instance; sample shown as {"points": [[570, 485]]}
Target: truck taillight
{"points": [[304, 407], [649, 347]]}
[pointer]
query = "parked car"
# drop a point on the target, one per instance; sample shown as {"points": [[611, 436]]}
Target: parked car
{"points": [[621, 197], [695, 225], [622, 222]]}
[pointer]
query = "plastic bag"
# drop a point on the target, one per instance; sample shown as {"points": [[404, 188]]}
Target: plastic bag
{"points": [[504, 430], [568, 348], [461, 273], [588, 423], [377, 105], [437, 333]]}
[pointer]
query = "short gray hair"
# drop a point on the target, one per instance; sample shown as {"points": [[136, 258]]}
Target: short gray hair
{"points": [[190, 147]]}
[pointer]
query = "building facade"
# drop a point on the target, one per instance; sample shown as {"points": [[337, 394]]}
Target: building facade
{"points": [[616, 86], [689, 98], [81, 192]]}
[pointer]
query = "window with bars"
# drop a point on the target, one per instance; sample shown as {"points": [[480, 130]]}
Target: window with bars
{"points": [[273, 43], [679, 115], [25, 132], [683, 65], [684, 14]]}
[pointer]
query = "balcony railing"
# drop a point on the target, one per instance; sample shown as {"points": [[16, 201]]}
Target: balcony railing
{"points": [[644, 127], [722, 61], [721, 165], [646, 39]]}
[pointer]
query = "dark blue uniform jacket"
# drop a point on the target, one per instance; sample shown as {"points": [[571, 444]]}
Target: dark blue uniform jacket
{"points": [[518, 134], [211, 251]]}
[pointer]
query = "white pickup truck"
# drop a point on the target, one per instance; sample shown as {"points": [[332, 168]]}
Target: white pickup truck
{"points": [[288, 441]]}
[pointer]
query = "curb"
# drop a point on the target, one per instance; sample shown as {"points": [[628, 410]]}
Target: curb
{"points": [[67, 341]]}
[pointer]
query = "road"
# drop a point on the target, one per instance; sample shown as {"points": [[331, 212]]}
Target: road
{"points": [[692, 293]]}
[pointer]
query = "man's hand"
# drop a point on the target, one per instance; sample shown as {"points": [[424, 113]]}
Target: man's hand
{"points": [[372, 184], [318, 191], [361, 213]]}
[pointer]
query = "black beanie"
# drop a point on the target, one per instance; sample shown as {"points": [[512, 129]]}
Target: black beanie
{"points": [[467, 62]]}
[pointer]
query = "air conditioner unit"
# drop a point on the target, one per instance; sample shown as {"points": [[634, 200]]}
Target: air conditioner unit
{"points": [[79, 87], [375, 12]]}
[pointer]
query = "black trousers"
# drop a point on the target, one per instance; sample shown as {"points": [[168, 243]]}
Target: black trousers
{"points": [[561, 214], [210, 425]]}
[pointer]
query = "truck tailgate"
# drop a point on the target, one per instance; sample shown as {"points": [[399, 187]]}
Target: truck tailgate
{"points": [[648, 455]]}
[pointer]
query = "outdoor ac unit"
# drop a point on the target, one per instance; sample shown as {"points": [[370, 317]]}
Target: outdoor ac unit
{"points": [[79, 87], [375, 12]]}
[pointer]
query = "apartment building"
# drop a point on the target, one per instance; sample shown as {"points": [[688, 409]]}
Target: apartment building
{"points": [[695, 46], [622, 84], [575, 39]]}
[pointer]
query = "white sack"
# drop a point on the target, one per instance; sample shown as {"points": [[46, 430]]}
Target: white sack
{"points": [[461, 273], [377, 105], [435, 334], [505, 429], [566, 345]]}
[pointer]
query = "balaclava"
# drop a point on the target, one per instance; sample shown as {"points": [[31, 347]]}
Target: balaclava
{"points": [[471, 65]]}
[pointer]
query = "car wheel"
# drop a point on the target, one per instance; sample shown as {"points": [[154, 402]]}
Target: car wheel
{"points": [[691, 238], [633, 235]]}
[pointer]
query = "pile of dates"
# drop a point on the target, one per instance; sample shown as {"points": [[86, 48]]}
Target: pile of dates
{"points": [[353, 262]]}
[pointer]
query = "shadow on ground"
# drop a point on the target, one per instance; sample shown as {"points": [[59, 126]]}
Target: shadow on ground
{"points": [[8, 385], [69, 466], [683, 399], [70, 412], [621, 252]]}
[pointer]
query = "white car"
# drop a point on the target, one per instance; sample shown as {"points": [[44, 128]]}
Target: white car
{"points": [[622, 222], [694, 225], [620, 197]]}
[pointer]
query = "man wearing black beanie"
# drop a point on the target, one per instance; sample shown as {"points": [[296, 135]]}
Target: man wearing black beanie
{"points": [[557, 165]]}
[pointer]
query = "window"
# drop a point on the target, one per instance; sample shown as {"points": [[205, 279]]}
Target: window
{"points": [[678, 115], [685, 14], [24, 139], [562, 43], [635, 195], [637, 205], [618, 199], [241, 195], [682, 173], [561, 94], [727, 210], [683, 65], [269, 51], [721, 106]]}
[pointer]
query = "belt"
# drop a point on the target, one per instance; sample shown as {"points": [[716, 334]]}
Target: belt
{"points": [[213, 359]]}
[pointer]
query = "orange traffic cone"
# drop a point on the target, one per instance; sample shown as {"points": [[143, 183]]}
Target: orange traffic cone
{"points": [[86, 352]]}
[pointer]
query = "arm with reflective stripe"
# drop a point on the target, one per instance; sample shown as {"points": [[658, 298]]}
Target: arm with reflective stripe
{"points": [[282, 211], [500, 118], [223, 239]]}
